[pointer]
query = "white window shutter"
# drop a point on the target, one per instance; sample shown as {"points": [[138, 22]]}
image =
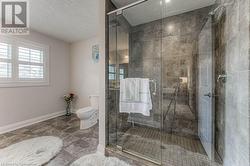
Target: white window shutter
{"points": [[23, 63], [5, 70], [5, 51], [30, 63], [30, 55], [5, 61]]}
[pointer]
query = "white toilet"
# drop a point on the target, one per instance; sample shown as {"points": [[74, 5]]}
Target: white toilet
{"points": [[89, 115]]}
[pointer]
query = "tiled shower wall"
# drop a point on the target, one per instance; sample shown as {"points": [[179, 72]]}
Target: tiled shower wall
{"points": [[177, 38], [236, 47], [169, 44], [220, 68]]}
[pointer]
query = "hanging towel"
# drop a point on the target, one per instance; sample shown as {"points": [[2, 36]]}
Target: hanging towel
{"points": [[135, 96]]}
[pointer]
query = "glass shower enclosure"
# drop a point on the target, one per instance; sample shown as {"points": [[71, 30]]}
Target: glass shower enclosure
{"points": [[126, 60], [173, 55]]}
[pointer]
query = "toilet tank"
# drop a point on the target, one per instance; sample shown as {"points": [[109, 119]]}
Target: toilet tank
{"points": [[94, 101]]}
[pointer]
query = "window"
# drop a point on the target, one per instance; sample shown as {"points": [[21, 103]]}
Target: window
{"points": [[31, 63], [122, 74], [5, 61], [112, 73], [23, 63]]}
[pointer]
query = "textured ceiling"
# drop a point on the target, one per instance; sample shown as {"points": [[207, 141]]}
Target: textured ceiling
{"points": [[155, 9], [68, 20]]}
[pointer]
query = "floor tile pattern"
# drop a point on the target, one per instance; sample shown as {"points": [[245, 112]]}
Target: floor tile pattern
{"points": [[76, 142]]}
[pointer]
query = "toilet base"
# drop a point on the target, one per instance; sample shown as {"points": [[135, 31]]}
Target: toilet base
{"points": [[85, 124]]}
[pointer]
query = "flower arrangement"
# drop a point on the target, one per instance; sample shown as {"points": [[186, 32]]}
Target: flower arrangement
{"points": [[68, 99]]}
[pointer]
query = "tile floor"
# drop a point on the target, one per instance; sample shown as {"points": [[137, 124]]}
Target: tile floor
{"points": [[76, 142]]}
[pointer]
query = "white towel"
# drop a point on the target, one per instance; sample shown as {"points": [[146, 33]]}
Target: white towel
{"points": [[135, 96]]}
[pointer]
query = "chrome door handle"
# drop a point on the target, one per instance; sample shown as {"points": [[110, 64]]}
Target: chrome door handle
{"points": [[208, 95], [222, 77]]}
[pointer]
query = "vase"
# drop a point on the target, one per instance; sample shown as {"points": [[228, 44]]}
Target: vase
{"points": [[68, 109]]}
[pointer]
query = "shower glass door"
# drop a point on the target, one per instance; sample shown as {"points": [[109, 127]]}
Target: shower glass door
{"points": [[174, 52], [135, 43]]}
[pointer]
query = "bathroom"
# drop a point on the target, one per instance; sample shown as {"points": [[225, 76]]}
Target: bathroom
{"points": [[126, 83], [185, 51]]}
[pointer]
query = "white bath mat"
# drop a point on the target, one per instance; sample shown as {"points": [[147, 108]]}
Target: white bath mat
{"points": [[98, 159], [35, 152]]}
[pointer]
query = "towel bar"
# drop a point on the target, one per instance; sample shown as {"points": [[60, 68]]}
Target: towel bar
{"points": [[155, 86]]}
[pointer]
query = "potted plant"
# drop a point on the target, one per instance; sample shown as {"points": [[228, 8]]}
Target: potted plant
{"points": [[68, 99]]}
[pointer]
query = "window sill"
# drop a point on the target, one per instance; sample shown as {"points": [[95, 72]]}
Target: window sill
{"points": [[24, 84]]}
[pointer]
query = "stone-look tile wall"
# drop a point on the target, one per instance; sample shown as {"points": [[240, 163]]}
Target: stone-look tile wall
{"points": [[145, 61], [220, 68], [236, 39], [109, 102], [168, 46]]}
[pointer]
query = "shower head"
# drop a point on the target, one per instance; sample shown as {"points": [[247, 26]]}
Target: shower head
{"points": [[218, 12], [221, 8], [213, 12]]}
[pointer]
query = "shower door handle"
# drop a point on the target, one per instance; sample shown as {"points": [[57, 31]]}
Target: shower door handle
{"points": [[155, 86], [210, 95], [222, 77]]}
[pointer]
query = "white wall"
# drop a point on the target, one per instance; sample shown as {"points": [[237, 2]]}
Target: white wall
{"points": [[84, 72], [87, 77], [24, 103], [102, 114]]}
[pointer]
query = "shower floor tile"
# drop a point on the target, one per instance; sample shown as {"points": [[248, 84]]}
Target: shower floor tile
{"points": [[176, 150]]}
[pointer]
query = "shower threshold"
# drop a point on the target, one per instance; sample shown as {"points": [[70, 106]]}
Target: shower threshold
{"points": [[138, 155]]}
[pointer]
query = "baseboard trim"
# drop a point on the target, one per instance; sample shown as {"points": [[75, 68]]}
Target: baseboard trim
{"points": [[29, 122]]}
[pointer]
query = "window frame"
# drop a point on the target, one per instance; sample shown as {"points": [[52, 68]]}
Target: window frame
{"points": [[15, 81], [121, 74], [113, 73]]}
